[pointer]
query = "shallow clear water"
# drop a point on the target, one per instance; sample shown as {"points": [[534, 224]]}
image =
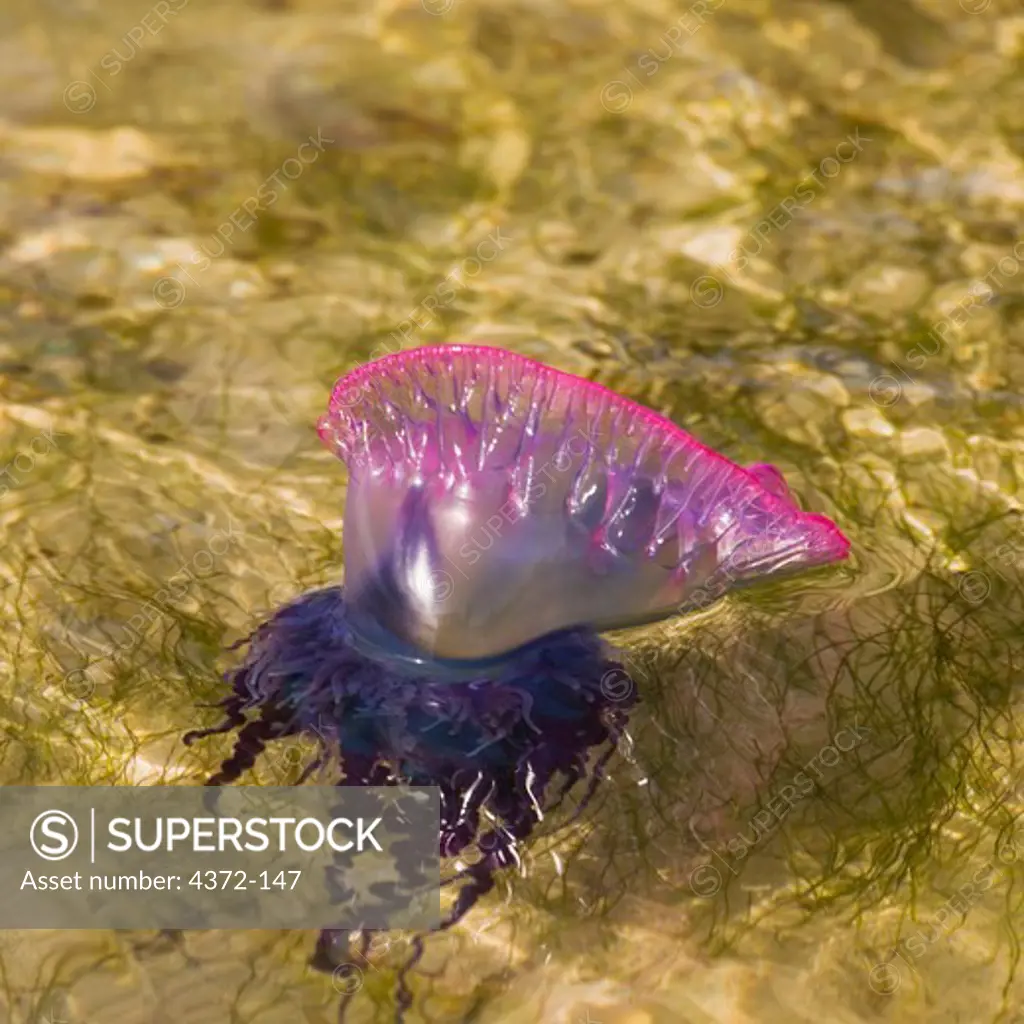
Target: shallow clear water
{"points": [[793, 227]]}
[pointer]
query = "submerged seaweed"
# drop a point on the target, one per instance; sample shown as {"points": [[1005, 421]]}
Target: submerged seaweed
{"points": [[652, 198]]}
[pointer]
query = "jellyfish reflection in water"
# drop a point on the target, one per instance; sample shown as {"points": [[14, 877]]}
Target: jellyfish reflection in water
{"points": [[500, 514]]}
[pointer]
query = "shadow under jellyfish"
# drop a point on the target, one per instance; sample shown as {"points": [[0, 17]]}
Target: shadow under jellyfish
{"points": [[500, 514]]}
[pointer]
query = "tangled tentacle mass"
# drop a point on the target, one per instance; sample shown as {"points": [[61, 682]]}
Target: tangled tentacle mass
{"points": [[504, 752]]}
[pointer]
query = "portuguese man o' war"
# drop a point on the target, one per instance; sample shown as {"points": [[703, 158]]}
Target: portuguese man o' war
{"points": [[500, 515], [606, 514]]}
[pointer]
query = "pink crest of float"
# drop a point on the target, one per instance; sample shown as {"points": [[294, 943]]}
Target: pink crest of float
{"points": [[493, 499]]}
